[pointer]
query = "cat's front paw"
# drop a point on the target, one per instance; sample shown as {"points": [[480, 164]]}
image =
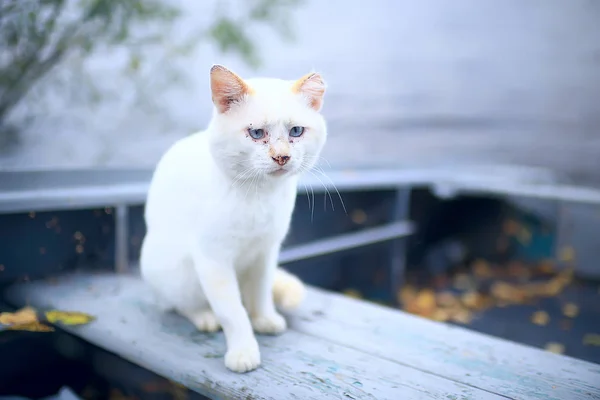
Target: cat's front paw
{"points": [[243, 358], [269, 324]]}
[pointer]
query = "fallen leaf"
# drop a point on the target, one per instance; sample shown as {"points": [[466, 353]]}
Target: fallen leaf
{"points": [[508, 293], [462, 317], [446, 299], [31, 327], [26, 315], [570, 310], [440, 315], [27, 319], [549, 288], [426, 299], [353, 293], [554, 347], [540, 318], [68, 317], [471, 299], [591, 339]]}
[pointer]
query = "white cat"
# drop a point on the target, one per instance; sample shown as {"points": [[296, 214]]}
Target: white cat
{"points": [[220, 204]]}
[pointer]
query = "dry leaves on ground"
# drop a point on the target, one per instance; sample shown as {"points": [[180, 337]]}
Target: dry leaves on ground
{"points": [[486, 287], [29, 319]]}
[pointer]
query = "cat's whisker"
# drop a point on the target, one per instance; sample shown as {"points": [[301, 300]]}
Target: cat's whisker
{"points": [[320, 170], [326, 191], [307, 197], [327, 161], [304, 168], [254, 176], [240, 176], [318, 158]]}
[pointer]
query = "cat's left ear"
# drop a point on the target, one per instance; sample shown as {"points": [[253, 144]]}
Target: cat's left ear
{"points": [[312, 86], [227, 88]]}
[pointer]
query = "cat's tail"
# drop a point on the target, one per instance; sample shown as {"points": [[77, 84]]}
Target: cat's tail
{"points": [[288, 290]]}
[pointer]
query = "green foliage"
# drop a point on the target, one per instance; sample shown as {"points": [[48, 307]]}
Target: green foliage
{"points": [[38, 35]]}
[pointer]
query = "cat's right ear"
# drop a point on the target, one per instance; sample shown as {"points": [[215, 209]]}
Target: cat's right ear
{"points": [[227, 88], [312, 86]]}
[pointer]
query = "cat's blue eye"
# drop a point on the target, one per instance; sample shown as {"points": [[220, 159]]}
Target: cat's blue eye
{"points": [[256, 133], [296, 131]]}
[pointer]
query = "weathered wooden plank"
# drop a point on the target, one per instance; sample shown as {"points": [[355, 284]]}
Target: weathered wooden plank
{"points": [[499, 366], [295, 365]]}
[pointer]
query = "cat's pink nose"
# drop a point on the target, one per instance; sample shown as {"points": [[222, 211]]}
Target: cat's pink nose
{"points": [[281, 160]]}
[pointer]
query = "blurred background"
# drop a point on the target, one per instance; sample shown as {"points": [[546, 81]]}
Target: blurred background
{"points": [[475, 91], [96, 83]]}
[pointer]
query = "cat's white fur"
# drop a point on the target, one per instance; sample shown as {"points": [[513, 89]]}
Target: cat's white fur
{"points": [[220, 204]]}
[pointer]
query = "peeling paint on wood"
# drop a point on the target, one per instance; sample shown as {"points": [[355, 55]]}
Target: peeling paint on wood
{"points": [[336, 348], [492, 364]]}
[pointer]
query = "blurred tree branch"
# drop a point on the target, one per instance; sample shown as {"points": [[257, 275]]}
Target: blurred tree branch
{"points": [[38, 35]]}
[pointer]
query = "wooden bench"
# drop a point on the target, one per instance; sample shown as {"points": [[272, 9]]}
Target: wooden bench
{"points": [[337, 347]]}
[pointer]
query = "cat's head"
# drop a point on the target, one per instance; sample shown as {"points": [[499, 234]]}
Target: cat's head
{"points": [[266, 128]]}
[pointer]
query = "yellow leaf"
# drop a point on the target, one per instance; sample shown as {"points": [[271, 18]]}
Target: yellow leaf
{"points": [[462, 317], [476, 301], [446, 299], [570, 310], [426, 299], [23, 316], [540, 318], [556, 348], [68, 317], [440, 315], [508, 293], [31, 327], [591, 339]]}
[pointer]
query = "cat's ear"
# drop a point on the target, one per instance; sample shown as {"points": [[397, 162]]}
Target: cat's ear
{"points": [[312, 86], [227, 88]]}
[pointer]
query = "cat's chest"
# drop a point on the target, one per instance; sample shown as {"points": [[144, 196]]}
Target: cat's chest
{"points": [[240, 218], [258, 218]]}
